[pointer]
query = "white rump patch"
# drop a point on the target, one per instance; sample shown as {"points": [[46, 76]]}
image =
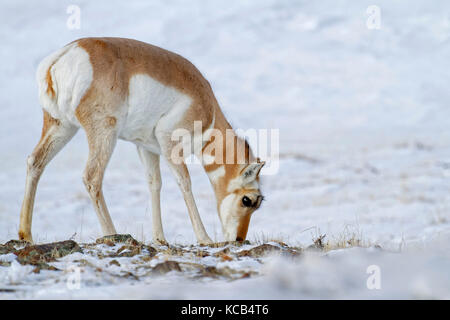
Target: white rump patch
{"points": [[71, 75]]}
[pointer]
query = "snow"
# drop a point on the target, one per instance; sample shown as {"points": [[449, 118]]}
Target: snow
{"points": [[339, 274], [364, 140]]}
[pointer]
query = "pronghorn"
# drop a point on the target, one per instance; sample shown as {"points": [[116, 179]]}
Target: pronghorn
{"points": [[126, 89]]}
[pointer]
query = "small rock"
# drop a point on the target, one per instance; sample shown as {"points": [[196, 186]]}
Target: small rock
{"points": [[222, 252], [226, 243], [10, 246], [173, 251], [150, 250], [109, 243], [226, 257], [201, 253], [43, 253], [259, 251], [4, 249], [117, 238], [17, 243], [114, 263], [129, 274], [211, 271], [146, 258], [164, 267], [128, 251]]}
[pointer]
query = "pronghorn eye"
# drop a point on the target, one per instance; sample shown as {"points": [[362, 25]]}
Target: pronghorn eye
{"points": [[246, 201]]}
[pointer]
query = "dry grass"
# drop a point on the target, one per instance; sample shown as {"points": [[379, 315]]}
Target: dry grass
{"points": [[350, 237], [263, 238]]}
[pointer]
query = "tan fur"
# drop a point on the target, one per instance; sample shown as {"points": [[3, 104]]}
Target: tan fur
{"points": [[101, 112], [232, 170], [116, 60], [48, 123], [45, 140], [48, 79], [243, 227]]}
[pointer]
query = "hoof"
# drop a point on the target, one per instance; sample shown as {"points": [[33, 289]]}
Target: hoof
{"points": [[160, 242], [25, 237], [205, 242]]}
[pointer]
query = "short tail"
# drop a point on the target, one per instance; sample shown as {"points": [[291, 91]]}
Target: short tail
{"points": [[44, 76]]}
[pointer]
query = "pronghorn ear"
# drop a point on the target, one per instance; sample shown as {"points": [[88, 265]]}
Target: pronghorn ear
{"points": [[251, 171]]}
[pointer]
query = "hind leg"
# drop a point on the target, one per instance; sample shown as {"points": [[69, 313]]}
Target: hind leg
{"points": [[102, 140], [55, 136]]}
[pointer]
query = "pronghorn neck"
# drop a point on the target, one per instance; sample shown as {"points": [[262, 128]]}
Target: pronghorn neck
{"points": [[224, 155]]}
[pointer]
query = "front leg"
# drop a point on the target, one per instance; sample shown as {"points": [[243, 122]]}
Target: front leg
{"points": [[184, 182], [151, 163], [183, 179], [163, 132]]}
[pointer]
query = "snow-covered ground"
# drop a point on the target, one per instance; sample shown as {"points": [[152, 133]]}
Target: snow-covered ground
{"points": [[339, 274], [363, 117]]}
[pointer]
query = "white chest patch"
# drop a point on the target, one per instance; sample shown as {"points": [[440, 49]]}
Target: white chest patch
{"points": [[148, 101]]}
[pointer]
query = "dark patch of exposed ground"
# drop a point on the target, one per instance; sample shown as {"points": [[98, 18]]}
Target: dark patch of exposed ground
{"points": [[121, 255]]}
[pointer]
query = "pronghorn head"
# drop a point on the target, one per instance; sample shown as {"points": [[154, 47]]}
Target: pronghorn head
{"points": [[240, 197]]}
